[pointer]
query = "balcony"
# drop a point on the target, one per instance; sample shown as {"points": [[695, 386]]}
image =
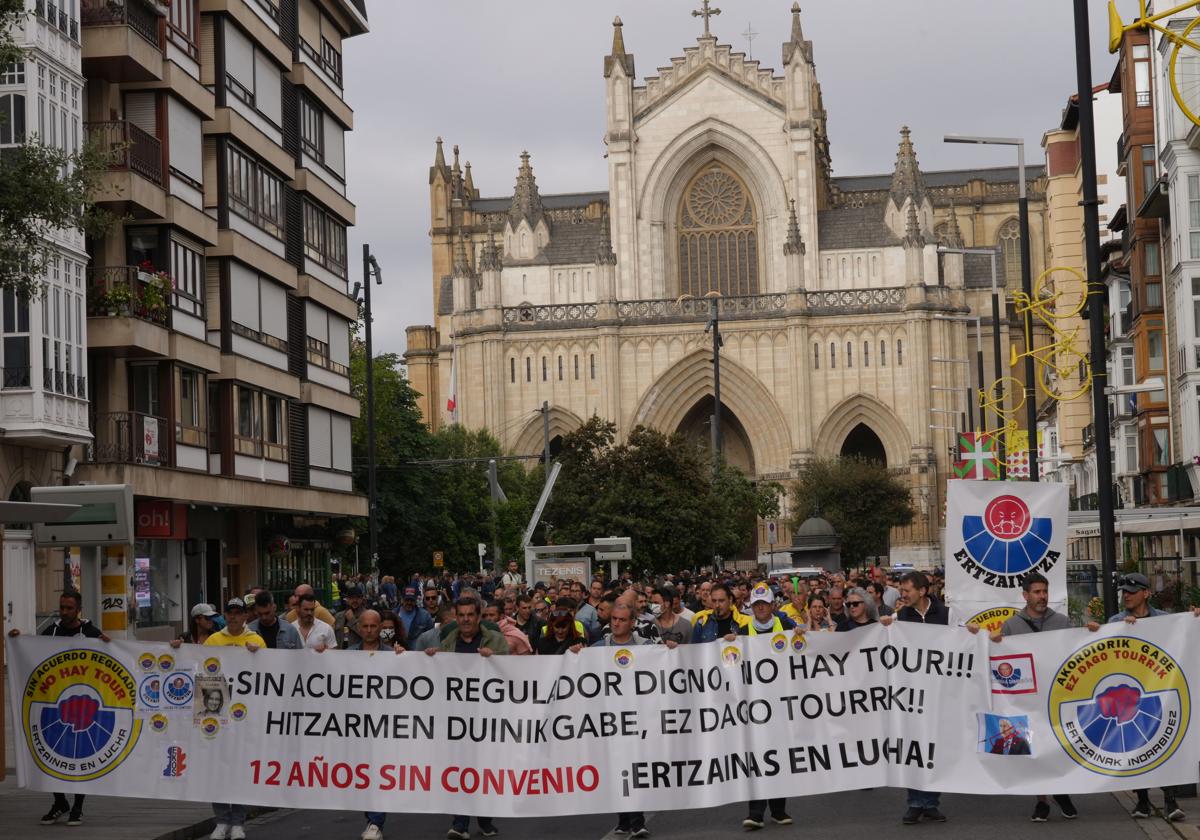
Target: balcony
{"points": [[129, 437], [129, 309], [122, 40], [131, 151]]}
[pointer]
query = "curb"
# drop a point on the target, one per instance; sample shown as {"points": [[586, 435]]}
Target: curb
{"points": [[201, 829], [1157, 828]]}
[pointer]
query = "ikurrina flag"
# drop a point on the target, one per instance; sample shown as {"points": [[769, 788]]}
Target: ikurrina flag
{"points": [[997, 533], [977, 457]]}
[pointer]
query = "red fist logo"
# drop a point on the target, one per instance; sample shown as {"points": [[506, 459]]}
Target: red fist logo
{"points": [[79, 711]]}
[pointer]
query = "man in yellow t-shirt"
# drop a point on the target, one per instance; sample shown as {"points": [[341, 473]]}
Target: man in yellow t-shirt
{"points": [[234, 633], [797, 608], [231, 817]]}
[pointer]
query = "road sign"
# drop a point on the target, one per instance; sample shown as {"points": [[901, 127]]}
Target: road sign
{"points": [[439, 559], [772, 532]]}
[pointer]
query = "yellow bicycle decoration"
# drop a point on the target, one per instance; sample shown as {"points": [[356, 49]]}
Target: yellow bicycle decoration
{"points": [[1185, 52]]}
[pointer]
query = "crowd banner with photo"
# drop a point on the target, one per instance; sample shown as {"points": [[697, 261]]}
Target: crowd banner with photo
{"points": [[612, 729], [997, 532]]}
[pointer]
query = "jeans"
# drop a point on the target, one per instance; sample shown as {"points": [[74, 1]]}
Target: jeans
{"points": [[632, 821], [923, 799], [463, 823], [1143, 794], [375, 818], [758, 808], [60, 802], [230, 814]]}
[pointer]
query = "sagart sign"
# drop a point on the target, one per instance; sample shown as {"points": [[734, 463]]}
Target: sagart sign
{"points": [[615, 729], [997, 533]]}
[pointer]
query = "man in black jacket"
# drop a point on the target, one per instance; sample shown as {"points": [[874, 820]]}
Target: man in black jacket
{"points": [[916, 604], [69, 624]]}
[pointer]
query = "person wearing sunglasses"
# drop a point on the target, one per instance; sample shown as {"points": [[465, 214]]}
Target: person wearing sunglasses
{"points": [[562, 632], [860, 610], [430, 600]]}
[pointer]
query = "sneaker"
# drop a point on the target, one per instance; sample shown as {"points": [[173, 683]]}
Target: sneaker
{"points": [[1041, 812], [220, 832], [751, 824], [1142, 810], [54, 815], [933, 815], [781, 819], [1067, 807], [489, 830], [372, 832], [1172, 812], [455, 834], [76, 818], [236, 832], [620, 830], [640, 832], [912, 816]]}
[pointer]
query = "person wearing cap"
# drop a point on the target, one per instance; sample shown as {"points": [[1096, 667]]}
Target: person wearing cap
{"points": [[763, 617], [277, 633], [1134, 589], [346, 625], [202, 624], [1037, 617], [236, 633], [415, 618]]}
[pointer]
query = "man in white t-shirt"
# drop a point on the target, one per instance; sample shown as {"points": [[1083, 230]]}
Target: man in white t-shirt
{"points": [[316, 634]]}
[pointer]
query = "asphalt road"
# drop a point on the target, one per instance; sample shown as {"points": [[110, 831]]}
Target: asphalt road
{"points": [[857, 815]]}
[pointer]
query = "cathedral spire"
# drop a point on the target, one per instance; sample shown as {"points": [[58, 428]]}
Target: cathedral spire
{"points": [[913, 237], [907, 181], [468, 183], [797, 44], [618, 54], [439, 159], [462, 267], [954, 236], [793, 245], [526, 202], [604, 250], [490, 258]]}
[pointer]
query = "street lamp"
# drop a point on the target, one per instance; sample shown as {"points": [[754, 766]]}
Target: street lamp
{"points": [[1026, 280], [1154, 383], [370, 266], [995, 342]]}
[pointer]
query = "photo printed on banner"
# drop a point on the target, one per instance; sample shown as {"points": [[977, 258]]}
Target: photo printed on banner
{"points": [[1004, 734]]}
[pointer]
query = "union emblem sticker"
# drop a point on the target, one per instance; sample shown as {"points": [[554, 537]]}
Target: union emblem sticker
{"points": [[779, 642], [731, 655], [212, 665], [166, 663], [1120, 706], [238, 711], [623, 658], [78, 714], [178, 689], [798, 642]]}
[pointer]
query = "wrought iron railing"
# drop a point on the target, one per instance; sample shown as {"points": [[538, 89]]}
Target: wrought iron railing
{"points": [[129, 437], [16, 376], [132, 13], [125, 291], [856, 299], [128, 147]]}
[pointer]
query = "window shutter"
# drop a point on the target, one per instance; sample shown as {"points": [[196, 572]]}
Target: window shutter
{"points": [[186, 138], [208, 51], [335, 145], [317, 321], [210, 171], [297, 346], [320, 452], [239, 56], [274, 309], [289, 23], [212, 293], [243, 296], [339, 340], [140, 110], [298, 446], [294, 224], [340, 433], [291, 118], [267, 85]]}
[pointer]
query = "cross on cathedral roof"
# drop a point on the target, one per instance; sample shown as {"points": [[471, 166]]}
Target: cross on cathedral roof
{"points": [[706, 12]]}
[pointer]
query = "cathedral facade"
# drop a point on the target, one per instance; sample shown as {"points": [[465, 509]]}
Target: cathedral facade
{"points": [[844, 327]]}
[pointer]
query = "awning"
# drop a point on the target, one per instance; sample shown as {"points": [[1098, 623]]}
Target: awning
{"points": [[1086, 523]]}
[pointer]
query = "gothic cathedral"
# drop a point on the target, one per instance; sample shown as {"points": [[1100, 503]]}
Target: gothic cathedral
{"points": [[843, 325]]}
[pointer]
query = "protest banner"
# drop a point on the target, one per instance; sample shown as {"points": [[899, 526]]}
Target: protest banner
{"points": [[997, 532], [612, 729]]}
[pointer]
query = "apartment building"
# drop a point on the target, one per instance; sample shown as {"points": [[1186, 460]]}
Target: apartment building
{"points": [[43, 386], [218, 313]]}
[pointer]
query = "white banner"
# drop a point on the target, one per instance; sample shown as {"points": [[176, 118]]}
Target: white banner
{"points": [[612, 729], [997, 532]]}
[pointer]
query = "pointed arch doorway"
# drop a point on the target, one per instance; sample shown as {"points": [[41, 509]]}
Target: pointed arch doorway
{"points": [[864, 443]]}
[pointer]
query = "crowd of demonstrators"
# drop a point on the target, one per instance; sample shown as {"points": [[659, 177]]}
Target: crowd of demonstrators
{"points": [[501, 614]]}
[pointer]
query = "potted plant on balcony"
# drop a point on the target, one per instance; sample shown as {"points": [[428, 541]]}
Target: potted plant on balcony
{"points": [[117, 299], [156, 291]]}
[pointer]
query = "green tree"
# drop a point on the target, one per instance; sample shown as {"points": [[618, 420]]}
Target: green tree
{"points": [[42, 188], [859, 497], [656, 489]]}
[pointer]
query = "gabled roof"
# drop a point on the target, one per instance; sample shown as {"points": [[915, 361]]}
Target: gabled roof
{"points": [[847, 228], [549, 202], [942, 178]]}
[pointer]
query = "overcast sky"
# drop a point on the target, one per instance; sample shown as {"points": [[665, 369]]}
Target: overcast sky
{"points": [[499, 77]]}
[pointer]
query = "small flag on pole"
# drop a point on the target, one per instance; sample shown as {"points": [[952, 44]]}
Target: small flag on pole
{"points": [[452, 400], [977, 457]]}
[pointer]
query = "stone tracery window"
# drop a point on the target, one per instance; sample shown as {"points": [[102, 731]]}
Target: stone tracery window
{"points": [[718, 236], [1009, 240]]}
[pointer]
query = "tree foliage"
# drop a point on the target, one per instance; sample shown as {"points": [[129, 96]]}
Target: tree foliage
{"points": [[859, 497], [422, 508], [656, 489], [43, 189]]}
